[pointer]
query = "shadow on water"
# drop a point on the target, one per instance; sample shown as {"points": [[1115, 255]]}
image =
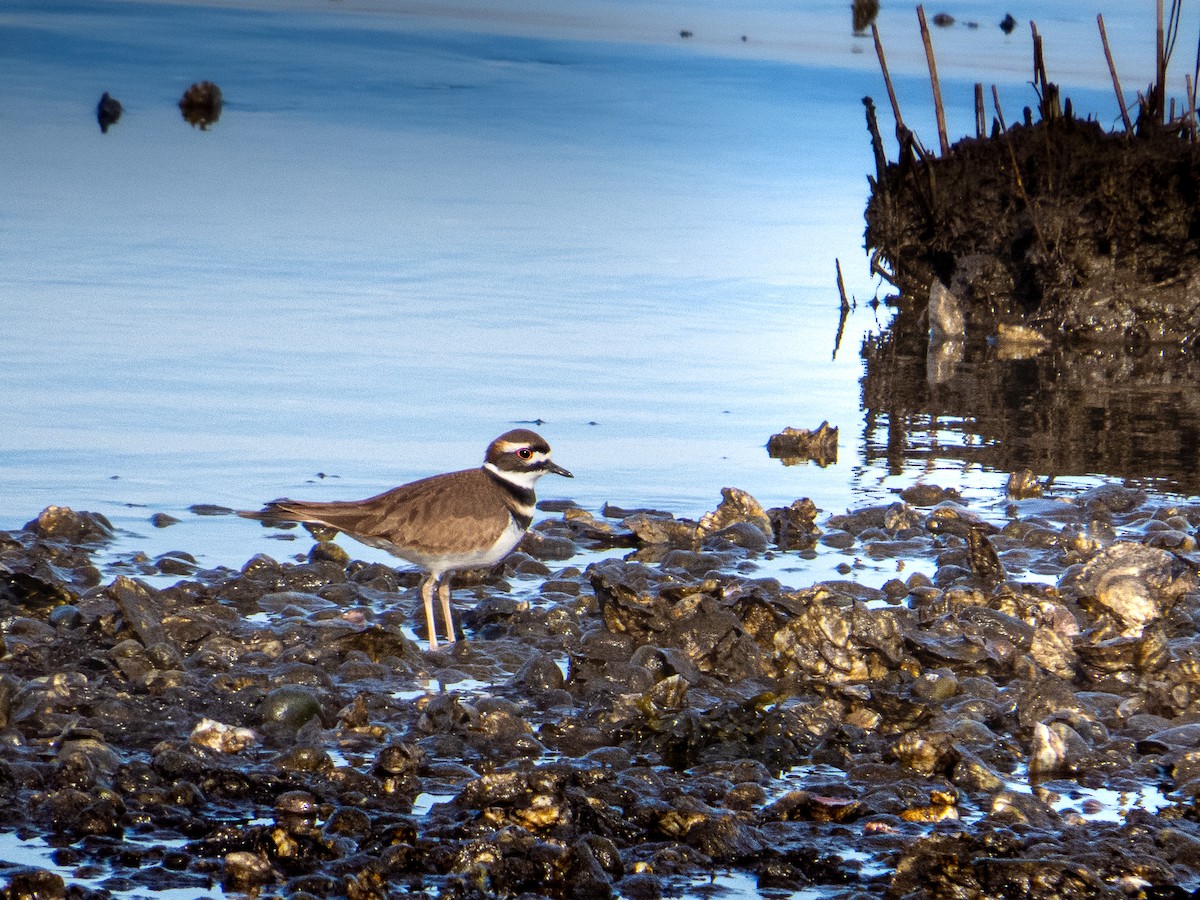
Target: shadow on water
{"points": [[1131, 413]]}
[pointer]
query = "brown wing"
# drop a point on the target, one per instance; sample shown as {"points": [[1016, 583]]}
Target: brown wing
{"points": [[427, 516]]}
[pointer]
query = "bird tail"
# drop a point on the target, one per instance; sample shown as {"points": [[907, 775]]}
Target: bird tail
{"points": [[278, 511]]}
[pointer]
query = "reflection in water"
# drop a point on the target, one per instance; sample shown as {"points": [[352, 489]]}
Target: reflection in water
{"points": [[1125, 413]]}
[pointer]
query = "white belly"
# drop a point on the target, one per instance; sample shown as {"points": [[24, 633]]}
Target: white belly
{"points": [[473, 559]]}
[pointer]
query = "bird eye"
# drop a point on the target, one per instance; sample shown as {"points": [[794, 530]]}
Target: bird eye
{"points": [[525, 453]]}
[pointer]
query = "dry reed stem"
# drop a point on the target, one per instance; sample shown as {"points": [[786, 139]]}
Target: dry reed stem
{"points": [[943, 138], [1112, 69], [901, 128]]}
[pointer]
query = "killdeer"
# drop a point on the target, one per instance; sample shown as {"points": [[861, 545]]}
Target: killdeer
{"points": [[461, 520]]}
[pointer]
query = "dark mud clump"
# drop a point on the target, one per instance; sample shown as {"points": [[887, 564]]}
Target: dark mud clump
{"points": [[635, 727], [1056, 224], [108, 112], [201, 105]]}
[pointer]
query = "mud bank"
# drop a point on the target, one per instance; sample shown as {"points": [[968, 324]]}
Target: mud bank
{"points": [[1056, 224], [630, 728]]}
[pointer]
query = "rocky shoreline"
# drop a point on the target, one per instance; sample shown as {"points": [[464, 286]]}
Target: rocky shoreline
{"points": [[630, 728]]}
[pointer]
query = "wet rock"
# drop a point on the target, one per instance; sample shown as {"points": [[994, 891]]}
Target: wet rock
{"points": [[244, 871], [32, 586], [1054, 652], [304, 758], [58, 523], [1132, 583], [740, 534], [328, 551], [936, 685], [949, 517], [641, 886], [809, 806], [176, 562], [291, 705], [1023, 485], [297, 805], [222, 738], [799, 445], [1112, 499], [539, 675], [837, 641], [982, 557], [923, 494], [689, 616], [736, 508], [209, 509], [795, 526], [84, 754], [652, 528], [66, 616], [946, 319], [837, 540], [139, 605], [79, 813], [35, 884], [1016, 808], [1057, 749], [544, 546]]}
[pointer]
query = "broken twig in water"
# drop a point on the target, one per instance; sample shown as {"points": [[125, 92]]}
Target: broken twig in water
{"points": [[841, 286], [845, 311]]}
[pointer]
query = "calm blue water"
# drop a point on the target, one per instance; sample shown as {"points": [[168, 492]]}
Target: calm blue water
{"points": [[414, 226]]}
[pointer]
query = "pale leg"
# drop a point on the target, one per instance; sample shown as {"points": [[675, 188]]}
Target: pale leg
{"points": [[427, 596], [444, 596]]}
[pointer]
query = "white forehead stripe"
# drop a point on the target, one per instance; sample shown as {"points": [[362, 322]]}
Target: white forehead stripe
{"points": [[510, 446]]}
